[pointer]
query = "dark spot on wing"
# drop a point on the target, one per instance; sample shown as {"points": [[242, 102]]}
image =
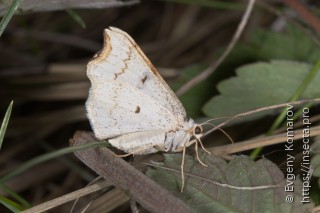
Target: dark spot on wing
{"points": [[144, 79], [137, 109]]}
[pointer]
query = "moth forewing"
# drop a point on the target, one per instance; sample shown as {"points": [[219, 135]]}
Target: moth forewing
{"points": [[123, 80], [130, 104]]}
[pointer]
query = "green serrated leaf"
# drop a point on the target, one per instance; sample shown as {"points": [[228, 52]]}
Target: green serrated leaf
{"points": [[293, 44], [264, 45], [204, 194], [259, 85], [295, 96], [5, 123]]}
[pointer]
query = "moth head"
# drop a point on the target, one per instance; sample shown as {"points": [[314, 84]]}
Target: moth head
{"points": [[197, 131]]}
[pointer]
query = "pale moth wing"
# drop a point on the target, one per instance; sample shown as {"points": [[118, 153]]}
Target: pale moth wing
{"points": [[130, 104]]}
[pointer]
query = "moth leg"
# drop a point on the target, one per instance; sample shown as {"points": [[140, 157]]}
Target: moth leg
{"points": [[182, 168], [197, 154], [203, 147]]}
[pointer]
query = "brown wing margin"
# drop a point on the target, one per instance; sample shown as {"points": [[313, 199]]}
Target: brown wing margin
{"points": [[104, 52]]}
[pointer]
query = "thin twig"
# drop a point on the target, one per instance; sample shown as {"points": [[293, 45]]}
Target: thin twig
{"points": [[68, 197], [213, 66], [260, 142]]}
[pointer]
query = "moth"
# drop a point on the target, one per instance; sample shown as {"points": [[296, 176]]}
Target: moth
{"points": [[132, 106]]}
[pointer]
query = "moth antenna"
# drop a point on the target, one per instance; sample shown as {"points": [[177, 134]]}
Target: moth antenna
{"points": [[213, 119], [224, 132], [182, 168], [262, 109], [197, 154]]}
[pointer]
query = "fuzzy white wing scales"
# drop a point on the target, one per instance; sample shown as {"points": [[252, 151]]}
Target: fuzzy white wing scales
{"points": [[152, 141], [127, 93], [119, 111]]}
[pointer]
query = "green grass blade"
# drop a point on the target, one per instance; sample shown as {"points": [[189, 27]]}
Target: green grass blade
{"points": [[24, 203], [49, 156], [7, 17], [75, 16], [84, 173], [5, 123], [13, 206]]}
